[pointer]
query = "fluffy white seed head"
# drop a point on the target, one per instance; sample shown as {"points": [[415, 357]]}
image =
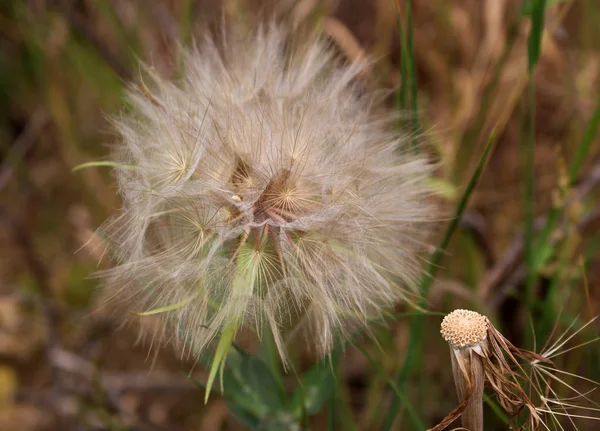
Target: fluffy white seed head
{"points": [[464, 328], [262, 188]]}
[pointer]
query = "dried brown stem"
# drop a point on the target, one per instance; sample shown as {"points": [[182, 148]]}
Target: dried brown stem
{"points": [[470, 386], [470, 396]]}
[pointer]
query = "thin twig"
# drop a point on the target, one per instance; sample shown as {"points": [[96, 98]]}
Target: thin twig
{"points": [[23, 144], [115, 384]]}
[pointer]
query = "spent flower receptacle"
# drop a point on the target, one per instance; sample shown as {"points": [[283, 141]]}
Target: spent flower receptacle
{"points": [[523, 381], [466, 333]]}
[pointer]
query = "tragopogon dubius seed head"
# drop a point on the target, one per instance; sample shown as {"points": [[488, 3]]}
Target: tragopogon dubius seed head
{"points": [[466, 333], [263, 189], [521, 380]]}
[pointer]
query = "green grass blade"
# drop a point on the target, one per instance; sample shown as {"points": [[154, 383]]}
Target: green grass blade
{"points": [[416, 420], [186, 18], [412, 71], [225, 342], [534, 42], [434, 264], [168, 307], [498, 411], [584, 147], [186, 21], [331, 421], [528, 168], [332, 410], [402, 96], [407, 99], [107, 163], [346, 416], [269, 354], [416, 330], [126, 38]]}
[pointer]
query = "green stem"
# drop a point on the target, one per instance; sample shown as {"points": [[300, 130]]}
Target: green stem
{"points": [[416, 330]]}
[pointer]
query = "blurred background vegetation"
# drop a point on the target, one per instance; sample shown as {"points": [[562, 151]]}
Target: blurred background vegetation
{"points": [[524, 253]]}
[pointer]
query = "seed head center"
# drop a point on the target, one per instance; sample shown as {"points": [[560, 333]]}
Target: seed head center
{"points": [[463, 328]]}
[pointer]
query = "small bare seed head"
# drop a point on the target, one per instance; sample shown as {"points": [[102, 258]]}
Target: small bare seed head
{"points": [[466, 333], [463, 328]]}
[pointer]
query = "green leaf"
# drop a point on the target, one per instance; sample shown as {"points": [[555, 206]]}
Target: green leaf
{"points": [[528, 172], [258, 379], [498, 411], [240, 405], [417, 422], [218, 362], [528, 6], [315, 389], [244, 416], [408, 75], [583, 149], [534, 42], [269, 354], [412, 68], [249, 384]]}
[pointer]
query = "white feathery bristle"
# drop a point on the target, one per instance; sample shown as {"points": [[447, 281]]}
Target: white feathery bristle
{"points": [[262, 188]]}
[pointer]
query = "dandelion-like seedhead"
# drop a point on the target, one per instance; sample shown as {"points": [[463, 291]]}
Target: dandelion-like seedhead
{"points": [[263, 189]]}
